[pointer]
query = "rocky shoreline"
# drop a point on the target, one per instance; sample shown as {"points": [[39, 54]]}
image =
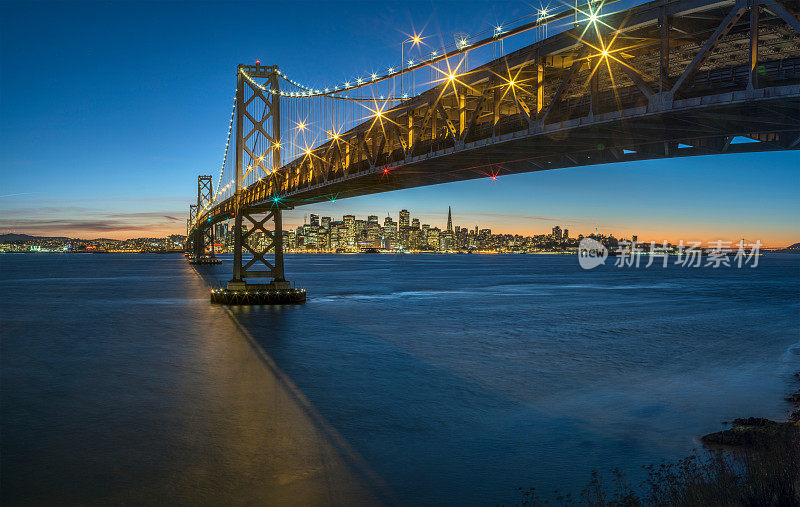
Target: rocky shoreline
{"points": [[758, 431]]}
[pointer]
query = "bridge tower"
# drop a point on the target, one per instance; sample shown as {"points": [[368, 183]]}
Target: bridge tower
{"points": [[205, 197], [189, 232], [201, 240], [258, 155]]}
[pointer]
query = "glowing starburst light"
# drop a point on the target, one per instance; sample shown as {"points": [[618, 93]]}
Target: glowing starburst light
{"points": [[451, 76]]}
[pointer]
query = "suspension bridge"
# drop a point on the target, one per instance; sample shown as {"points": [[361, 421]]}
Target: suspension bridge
{"points": [[587, 85]]}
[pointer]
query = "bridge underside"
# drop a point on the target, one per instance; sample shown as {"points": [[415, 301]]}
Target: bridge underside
{"points": [[767, 123], [771, 125], [679, 79], [670, 78]]}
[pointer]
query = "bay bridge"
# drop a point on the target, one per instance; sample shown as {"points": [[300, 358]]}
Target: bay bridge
{"points": [[587, 86]]}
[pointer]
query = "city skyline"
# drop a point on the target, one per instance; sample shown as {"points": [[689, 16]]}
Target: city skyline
{"points": [[439, 221], [90, 183]]}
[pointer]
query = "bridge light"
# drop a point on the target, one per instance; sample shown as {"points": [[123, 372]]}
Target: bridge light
{"points": [[374, 76], [451, 77], [411, 62], [416, 39], [604, 53]]}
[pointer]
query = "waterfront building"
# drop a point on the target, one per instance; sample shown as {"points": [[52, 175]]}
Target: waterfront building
{"points": [[404, 218], [350, 225], [433, 238], [389, 233]]}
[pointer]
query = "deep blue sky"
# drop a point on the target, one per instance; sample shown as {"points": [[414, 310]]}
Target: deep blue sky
{"points": [[110, 110]]}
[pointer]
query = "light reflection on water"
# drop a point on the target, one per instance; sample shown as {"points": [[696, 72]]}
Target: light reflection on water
{"points": [[454, 378]]}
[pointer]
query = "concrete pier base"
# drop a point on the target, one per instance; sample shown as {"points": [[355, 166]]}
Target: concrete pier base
{"points": [[204, 259], [243, 293]]}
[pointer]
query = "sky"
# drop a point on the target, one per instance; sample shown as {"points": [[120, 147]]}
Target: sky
{"points": [[110, 110]]}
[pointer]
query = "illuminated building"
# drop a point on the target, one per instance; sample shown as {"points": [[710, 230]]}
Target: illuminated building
{"points": [[404, 218], [350, 226]]}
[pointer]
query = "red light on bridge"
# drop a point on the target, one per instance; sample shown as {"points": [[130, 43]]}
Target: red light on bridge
{"points": [[258, 62]]}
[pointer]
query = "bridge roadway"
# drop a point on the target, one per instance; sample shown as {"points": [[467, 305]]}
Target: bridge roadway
{"points": [[678, 78]]}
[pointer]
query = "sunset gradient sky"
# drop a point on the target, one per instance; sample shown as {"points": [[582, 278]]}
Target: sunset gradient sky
{"points": [[108, 111]]}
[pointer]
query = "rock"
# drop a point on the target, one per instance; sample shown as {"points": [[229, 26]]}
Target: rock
{"points": [[754, 432], [758, 422]]}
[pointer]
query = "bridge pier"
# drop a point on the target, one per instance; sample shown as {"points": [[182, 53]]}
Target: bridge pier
{"points": [[202, 239], [258, 240], [249, 232]]}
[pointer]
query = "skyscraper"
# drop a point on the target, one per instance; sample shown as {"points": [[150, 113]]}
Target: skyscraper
{"points": [[389, 233], [557, 233], [350, 224], [449, 220], [404, 218]]}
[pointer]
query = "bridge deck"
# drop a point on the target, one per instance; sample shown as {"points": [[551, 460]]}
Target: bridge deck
{"points": [[677, 79]]}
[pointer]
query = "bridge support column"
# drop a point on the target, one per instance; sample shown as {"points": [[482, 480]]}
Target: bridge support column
{"points": [[250, 232], [258, 240], [202, 251]]}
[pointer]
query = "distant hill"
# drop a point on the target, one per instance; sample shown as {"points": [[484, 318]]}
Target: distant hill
{"points": [[5, 238], [790, 249]]}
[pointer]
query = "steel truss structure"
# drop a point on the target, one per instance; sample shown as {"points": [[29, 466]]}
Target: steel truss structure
{"points": [[201, 240], [257, 124], [672, 78]]}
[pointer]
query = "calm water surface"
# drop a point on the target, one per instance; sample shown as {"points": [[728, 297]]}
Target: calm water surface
{"points": [[443, 378]]}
